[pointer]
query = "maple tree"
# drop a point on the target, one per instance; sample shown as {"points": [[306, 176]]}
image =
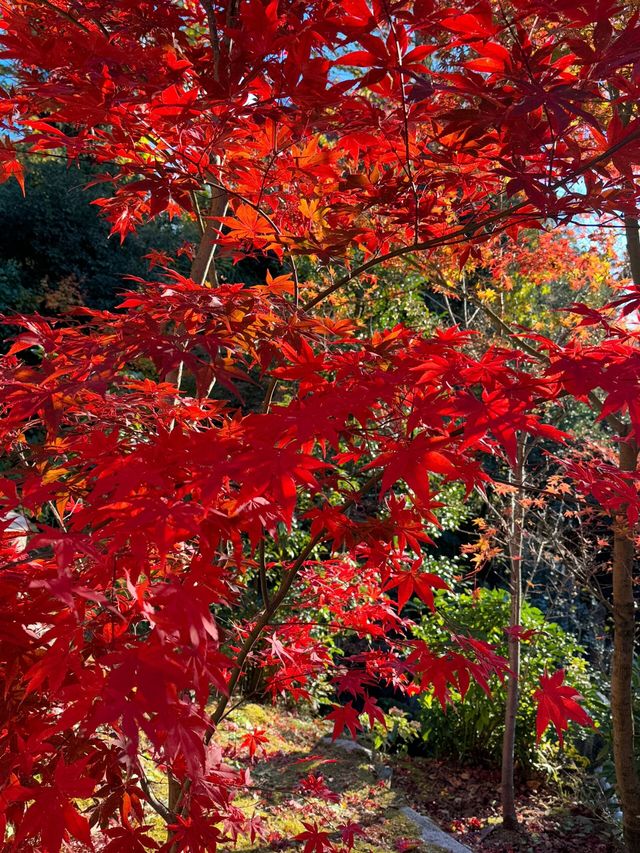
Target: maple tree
{"points": [[355, 134]]}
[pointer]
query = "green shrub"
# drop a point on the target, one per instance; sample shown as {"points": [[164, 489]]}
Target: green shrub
{"points": [[395, 736], [603, 760], [472, 730]]}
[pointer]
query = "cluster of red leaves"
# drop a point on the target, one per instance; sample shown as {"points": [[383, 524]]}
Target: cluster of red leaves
{"points": [[416, 113], [142, 511], [608, 368], [146, 508]]}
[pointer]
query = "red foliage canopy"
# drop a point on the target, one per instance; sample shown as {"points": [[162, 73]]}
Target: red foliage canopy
{"points": [[353, 132]]}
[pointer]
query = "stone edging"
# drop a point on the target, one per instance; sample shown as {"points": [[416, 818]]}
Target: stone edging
{"points": [[430, 832]]}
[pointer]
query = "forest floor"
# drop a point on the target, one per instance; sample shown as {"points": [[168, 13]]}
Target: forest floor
{"points": [[466, 802], [463, 801], [299, 746]]}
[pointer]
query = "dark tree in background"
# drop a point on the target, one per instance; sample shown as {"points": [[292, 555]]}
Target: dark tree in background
{"points": [[55, 250], [54, 246]]}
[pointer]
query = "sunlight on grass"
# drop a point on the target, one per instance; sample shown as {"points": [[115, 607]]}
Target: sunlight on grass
{"points": [[296, 748]]}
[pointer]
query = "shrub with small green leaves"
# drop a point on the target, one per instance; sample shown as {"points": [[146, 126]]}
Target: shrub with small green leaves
{"points": [[471, 730], [398, 731]]}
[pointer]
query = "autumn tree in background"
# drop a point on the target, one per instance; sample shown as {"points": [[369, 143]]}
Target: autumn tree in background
{"points": [[344, 136], [509, 287]]}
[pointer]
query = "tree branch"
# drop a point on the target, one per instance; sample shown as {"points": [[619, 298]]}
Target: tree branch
{"points": [[155, 804], [262, 569], [632, 234], [467, 231], [69, 17], [264, 619]]}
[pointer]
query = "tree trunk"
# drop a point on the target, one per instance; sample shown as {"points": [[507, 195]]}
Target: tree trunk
{"points": [[628, 784], [515, 533], [202, 268]]}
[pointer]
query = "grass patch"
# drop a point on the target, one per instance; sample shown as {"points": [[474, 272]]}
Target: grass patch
{"points": [[296, 748]]}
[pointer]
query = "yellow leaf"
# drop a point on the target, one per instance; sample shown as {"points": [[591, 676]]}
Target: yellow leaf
{"points": [[54, 474]]}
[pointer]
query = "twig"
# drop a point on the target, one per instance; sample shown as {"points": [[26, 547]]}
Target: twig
{"points": [[262, 569], [155, 804]]}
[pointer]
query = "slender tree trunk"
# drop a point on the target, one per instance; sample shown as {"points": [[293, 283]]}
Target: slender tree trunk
{"points": [[515, 534], [173, 794], [625, 760], [628, 783], [633, 247], [202, 269]]}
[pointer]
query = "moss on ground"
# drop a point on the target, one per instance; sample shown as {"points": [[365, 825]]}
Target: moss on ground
{"points": [[298, 746]]}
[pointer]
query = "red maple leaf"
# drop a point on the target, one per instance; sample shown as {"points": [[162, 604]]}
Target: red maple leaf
{"points": [[373, 712], [345, 716], [314, 785], [422, 584], [254, 740], [557, 705], [522, 634], [53, 814], [315, 840], [349, 832]]}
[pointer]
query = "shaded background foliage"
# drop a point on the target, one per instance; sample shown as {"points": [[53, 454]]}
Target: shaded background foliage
{"points": [[55, 250], [54, 246]]}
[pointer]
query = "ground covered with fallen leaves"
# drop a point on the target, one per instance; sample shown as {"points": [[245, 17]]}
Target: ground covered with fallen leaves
{"points": [[466, 802], [285, 771], [300, 777]]}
